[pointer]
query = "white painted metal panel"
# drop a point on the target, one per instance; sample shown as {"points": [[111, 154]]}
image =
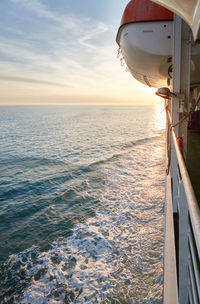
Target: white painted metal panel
{"points": [[189, 10]]}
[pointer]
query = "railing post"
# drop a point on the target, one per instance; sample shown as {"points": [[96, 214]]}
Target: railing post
{"points": [[175, 101], [183, 246], [181, 84], [185, 81], [176, 64]]}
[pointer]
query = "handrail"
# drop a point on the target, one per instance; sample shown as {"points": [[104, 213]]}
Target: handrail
{"points": [[193, 207]]}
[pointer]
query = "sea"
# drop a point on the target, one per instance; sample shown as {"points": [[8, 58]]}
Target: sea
{"points": [[82, 204]]}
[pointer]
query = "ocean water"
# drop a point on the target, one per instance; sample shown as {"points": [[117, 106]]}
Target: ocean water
{"points": [[81, 204]]}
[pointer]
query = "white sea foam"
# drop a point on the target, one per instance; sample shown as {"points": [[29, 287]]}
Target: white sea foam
{"points": [[116, 256]]}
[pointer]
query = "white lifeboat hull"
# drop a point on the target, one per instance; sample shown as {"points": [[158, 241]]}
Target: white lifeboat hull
{"points": [[147, 48], [147, 51]]}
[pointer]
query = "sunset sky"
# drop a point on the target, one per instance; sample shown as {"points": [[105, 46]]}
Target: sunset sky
{"points": [[64, 51]]}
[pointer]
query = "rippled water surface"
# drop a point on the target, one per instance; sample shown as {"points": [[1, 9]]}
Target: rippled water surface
{"points": [[81, 204]]}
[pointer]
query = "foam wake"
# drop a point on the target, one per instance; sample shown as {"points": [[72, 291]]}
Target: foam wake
{"points": [[113, 257]]}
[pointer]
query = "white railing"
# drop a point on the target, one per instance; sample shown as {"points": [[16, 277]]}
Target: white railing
{"points": [[186, 229]]}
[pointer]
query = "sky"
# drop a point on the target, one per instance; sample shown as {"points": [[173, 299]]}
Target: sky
{"points": [[64, 52]]}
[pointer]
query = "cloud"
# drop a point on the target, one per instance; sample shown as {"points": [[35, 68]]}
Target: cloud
{"points": [[37, 7], [89, 35], [72, 55], [82, 30], [53, 49], [67, 21], [30, 80]]}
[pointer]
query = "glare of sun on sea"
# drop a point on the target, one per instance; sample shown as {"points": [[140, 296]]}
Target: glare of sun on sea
{"points": [[159, 124], [160, 116], [159, 111]]}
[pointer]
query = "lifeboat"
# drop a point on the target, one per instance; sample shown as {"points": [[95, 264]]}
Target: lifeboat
{"points": [[145, 38]]}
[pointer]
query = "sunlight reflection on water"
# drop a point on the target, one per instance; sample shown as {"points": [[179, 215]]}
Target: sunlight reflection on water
{"points": [[87, 204]]}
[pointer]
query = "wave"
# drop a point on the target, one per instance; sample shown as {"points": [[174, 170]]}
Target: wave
{"points": [[47, 174], [126, 149], [106, 259], [143, 140], [113, 256], [30, 161]]}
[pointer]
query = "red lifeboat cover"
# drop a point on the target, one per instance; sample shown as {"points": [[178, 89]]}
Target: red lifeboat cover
{"points": [[145, 10]]}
